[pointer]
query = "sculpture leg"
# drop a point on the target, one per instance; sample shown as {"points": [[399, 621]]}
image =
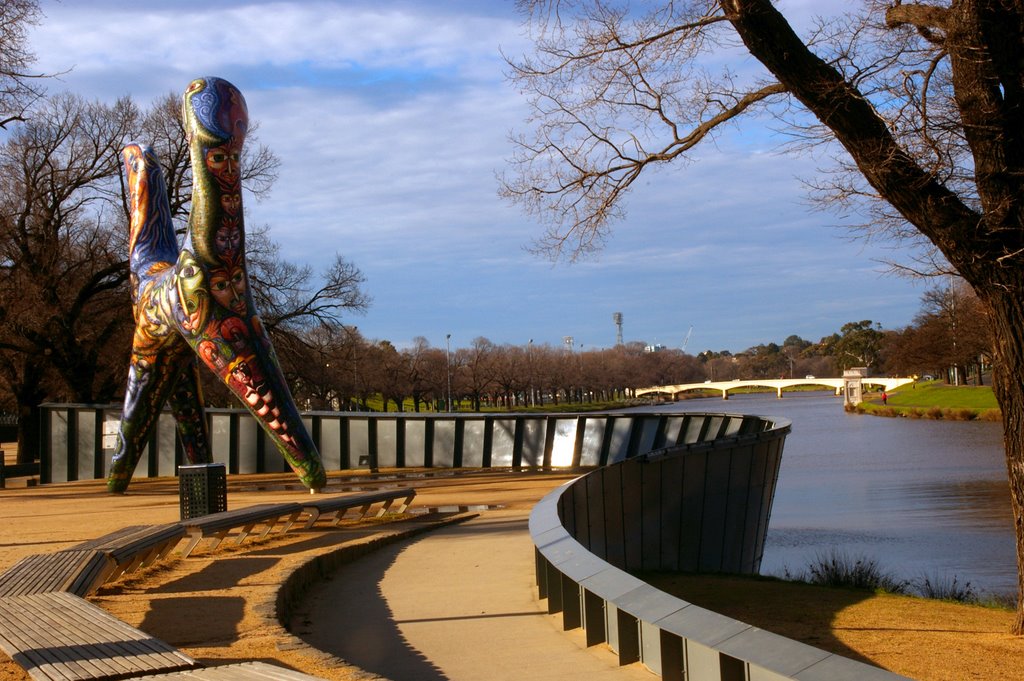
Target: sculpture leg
{"points": [[187, 406], [239, 352], [150, 382]]}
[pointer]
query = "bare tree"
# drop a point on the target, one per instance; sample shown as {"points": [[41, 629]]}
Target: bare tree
{"points": [[19, 88], [63, 278], [923, 103]]}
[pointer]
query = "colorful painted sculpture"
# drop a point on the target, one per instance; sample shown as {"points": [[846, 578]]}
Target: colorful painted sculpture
{"points": [[196, 303]]}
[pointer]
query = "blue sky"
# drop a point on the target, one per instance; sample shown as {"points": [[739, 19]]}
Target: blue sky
{"points": [[392, 119]]}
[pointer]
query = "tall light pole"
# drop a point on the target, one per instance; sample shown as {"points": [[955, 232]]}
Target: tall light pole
{"points": [[448, 367], [529, 354]]}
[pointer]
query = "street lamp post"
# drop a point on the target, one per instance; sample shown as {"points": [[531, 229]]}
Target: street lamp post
{"points": [[448, 367]]}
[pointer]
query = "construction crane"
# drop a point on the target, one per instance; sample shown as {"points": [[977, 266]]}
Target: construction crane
{"points": [[687, 339]]}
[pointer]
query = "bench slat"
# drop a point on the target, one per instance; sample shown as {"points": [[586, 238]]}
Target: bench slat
{"points": [[78, 571], [334, 507], [218, 526], [63, 637], [243, 671], [136, 545]]}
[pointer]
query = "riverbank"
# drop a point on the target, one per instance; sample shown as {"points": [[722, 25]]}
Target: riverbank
{"points": [[934, 400]]}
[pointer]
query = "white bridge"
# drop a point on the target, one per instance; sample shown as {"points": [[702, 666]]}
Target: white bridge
{"points": [[779, 384]]}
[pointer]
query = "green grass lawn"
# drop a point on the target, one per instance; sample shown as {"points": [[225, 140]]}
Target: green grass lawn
{"points": [[938, 394], [935, 400]]}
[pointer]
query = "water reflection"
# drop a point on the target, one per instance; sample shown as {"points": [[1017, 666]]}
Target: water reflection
{"points": [[922, 497]]}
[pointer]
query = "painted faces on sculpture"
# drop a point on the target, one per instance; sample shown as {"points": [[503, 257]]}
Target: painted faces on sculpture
{"points": [[223, 162], [228, 287], [228, 238], [192, 294], [231, 202]]}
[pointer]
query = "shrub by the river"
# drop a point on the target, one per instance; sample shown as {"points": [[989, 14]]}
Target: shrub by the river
{"points": [[838, 569], [946, 588]]}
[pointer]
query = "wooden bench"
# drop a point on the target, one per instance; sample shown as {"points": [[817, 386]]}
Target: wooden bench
{"points": [[217, 526], [243, 671], [136, 545], [61, 636], [79, 572], [334, 507]]}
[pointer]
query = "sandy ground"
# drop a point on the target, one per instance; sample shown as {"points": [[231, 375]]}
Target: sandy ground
{"points": [[219, 607]]}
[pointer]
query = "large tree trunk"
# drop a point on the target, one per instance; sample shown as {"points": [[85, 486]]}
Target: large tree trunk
{"points": [[1007, 319], [985, 51]]}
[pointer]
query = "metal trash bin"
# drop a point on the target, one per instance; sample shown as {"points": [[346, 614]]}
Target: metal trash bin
{"points": [[202, 489]]}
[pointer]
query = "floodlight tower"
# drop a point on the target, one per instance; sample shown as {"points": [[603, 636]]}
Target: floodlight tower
{"points": [[617, 318]]}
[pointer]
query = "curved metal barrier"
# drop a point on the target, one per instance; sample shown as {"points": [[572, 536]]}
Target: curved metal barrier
{"points": [[79, 439], [702, 506]]}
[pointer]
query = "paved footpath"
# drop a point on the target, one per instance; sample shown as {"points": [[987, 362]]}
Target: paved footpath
{"points": [[458, 603]]}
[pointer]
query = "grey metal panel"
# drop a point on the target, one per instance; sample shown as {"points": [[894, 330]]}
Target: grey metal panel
{"points": [[544, 516], [694, 426], [249, 433], [85, 447], [712, 424], [734, 425], [673, 425], [650, 646], [755, 673], [167, 436], [648, 433], [564, 444], [692, 515], [593, 437], [701, 625], [773, 652], [632, 515], [618, 445], [534, 430], [738, 513], [671, 481], [613, 523], [473, 443], [58, 445], [580, 564], [330, 442], [273, 459], [702, 662], [359, 442], [444, 443], [611, 625], [611, 583], [835, 668], [415, 442], [387, 443], [561, 549], [596, 513], [651, 605], [580, 513], [504, 437], [712, 535], [650, 515], [220, 438], [111, 419]]}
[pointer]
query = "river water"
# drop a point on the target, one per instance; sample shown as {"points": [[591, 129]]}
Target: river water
{"points": [[922, 498]]}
